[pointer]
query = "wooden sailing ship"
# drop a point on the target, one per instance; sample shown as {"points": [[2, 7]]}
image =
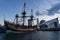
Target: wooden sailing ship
{"points": [[23, 27]]}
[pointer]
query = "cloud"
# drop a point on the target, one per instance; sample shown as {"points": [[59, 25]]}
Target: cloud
{"points": [[39, 13], [54, 9]]}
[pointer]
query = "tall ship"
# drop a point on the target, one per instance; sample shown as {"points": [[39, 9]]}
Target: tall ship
{"points": [[22, 27]]}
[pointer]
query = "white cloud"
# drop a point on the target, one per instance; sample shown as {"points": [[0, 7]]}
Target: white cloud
{"points": [[2, 22]]}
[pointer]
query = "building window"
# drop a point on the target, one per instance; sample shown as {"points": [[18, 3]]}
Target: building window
{"points": [[55, 24]]}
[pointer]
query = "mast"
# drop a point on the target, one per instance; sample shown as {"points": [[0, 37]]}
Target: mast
{"points": [[24, 14], [16, 18], [31, 17]]}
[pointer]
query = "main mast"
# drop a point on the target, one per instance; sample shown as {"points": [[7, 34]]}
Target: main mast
{"points": [[24, 14]]}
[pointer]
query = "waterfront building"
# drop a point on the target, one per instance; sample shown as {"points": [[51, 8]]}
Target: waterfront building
{"points": [[54, 23]]}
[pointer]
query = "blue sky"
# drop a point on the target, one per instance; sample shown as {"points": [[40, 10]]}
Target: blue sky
{"points": [[42, 9]]}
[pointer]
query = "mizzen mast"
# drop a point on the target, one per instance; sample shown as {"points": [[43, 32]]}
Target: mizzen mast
{"points": [[30, 21], [31, 17], [16, 16]]}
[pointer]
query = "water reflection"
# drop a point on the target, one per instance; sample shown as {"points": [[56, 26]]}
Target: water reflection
{"points": [[41, 35], [21, 36], [50, 35]]}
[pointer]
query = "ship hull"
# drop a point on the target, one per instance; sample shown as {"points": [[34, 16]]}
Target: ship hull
{"points": [[19, 28]]}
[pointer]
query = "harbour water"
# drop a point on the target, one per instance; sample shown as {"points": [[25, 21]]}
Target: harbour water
{"points": [[40, 35]]}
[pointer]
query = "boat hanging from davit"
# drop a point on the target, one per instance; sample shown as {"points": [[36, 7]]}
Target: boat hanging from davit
{"points": [[22, 28]]}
